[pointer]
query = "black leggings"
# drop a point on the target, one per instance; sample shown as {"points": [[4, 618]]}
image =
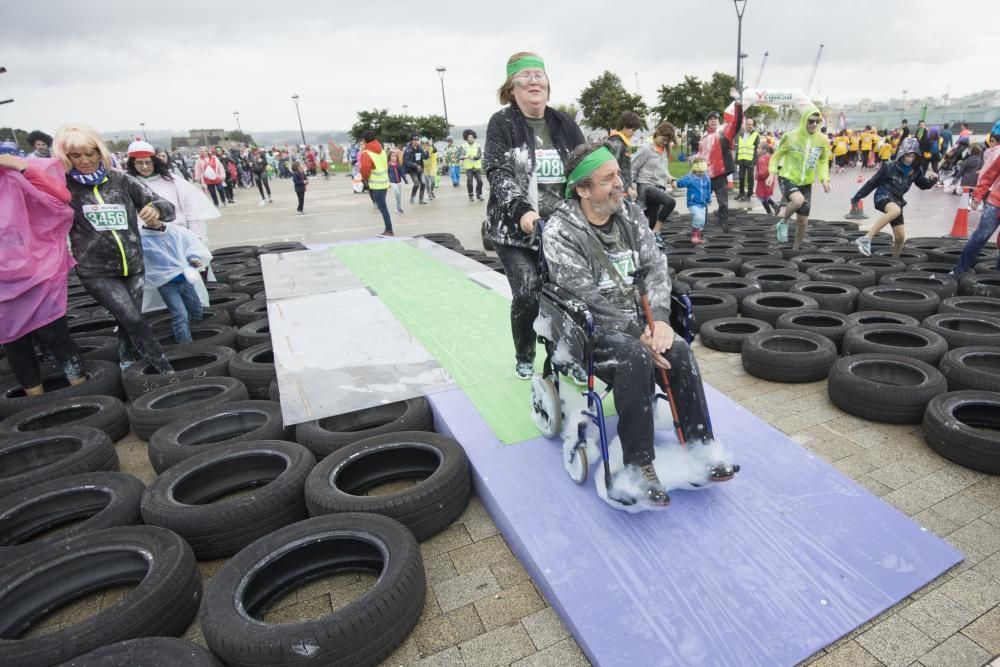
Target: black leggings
{"points": [[123, 299], [55, 338], [418, 184], [746, 178], [624, 363], [263, 184], [301, 195], [658, 203], [469, 175], [521, 267], [719, 189]]}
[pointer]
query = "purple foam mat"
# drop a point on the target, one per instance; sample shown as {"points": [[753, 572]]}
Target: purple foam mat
{"points": [[763, 570]]}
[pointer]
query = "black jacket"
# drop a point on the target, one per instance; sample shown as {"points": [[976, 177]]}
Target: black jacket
{"points": [[107, 254], [509, 162], [890, 181], [413, 159]]}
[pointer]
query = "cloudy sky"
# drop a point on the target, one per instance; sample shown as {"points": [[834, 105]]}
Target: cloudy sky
{"points": [[184, 64]]}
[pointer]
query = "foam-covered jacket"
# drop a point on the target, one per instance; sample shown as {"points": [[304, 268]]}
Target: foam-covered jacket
{"points": [[111, 253], [803, 156], [509, 163], [892, 180], [568, 242]]}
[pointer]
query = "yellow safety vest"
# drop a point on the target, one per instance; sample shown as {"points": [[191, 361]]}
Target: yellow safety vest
{"points": [[473, 159], [746, 146], [378, 179]]}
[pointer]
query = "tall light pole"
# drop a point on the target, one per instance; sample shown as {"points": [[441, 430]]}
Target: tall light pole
{"points": [[741, 6], [441, 70], [143, 126], [295, 98], [236, 115], [406, 110], [903, 109]]}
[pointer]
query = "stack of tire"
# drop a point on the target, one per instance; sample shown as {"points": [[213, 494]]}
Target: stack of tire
{"points": [[900, 340], [491, 261], [356, 492]]}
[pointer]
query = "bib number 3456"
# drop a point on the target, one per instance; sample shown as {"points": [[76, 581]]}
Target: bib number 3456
{"points": [[106, 216]]}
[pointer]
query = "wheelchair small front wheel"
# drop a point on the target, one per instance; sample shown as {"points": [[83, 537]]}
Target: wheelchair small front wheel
{"points": [[546, 409], [576, 463]]}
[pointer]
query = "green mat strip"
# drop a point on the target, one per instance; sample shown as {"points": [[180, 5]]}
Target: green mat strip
{"points": [[464, 325]]}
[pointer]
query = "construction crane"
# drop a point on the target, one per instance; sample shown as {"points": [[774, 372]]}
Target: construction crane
{"points": [[812, 77], [761, 72]]}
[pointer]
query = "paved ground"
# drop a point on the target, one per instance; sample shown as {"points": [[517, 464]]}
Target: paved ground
{"points": [[483, 609]]}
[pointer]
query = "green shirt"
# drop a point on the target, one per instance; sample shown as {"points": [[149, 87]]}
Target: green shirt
{"points": [[548, 183]]}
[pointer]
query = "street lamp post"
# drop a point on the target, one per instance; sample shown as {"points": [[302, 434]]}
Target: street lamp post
{"points": [[441, 70], [903, 105], [236, 115], [741, 6], [406, 110], [295, 98], [143, 126]]}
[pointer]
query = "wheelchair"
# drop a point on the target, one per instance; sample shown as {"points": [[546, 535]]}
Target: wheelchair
{"points": [[568, 339]]}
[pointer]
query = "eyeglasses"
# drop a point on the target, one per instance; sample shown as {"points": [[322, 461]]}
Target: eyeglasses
{"points": [[531, 76], [813, 121], [142, 163]]}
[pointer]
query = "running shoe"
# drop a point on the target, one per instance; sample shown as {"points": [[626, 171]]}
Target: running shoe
{"points": [[864, 245], [523, 370]]}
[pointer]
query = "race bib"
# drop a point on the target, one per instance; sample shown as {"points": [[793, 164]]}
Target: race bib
{"points": [[624, 263], [813, 157], [549, 166], [105, 217]]}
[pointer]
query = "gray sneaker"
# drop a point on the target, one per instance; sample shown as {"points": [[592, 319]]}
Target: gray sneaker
{"points": [[638, 485], [523, 370], [864, 245]]}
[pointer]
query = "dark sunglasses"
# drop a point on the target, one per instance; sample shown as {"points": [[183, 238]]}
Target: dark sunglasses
{"points": [[813, 121]]}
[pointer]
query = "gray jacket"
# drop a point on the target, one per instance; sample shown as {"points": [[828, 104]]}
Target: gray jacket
{"points": [[573, 266], [650, 167]]}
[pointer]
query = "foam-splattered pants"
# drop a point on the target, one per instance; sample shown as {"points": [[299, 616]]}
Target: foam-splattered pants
{"points": [[123, 299], [55, 338], [521, 267], [624, 363]]}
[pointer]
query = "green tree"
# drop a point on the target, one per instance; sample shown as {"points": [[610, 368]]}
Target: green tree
{"points": [[605, 99], [16, 135], [434, 127], [374, 119], [397, 129], [765, 116], [683, 104], [568, 109], [242, 137], [718, 92]]}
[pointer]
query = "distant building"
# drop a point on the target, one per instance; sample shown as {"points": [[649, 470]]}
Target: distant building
{"points": [[980, 110], [200, 138]]}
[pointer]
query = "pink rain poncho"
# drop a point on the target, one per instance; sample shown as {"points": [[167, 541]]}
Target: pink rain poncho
{"points": [[34, 256]]}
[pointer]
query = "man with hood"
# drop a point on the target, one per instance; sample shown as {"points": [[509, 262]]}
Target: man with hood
{"points": [[593, 241], [717, 148], [803, 155], [374, 166]]}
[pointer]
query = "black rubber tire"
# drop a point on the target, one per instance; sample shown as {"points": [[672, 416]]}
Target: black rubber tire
{"points": [[980, 284], [882, 266], [215, 426], [250, 311], [865, 317], [716, 261], [203, 335], [951, 254], [98, 348], [359, 634], [694, 275], [937, 268], [87, 327], [273, 393], [231, 252], [229, 301], [105, 413], [738, 288], [788, 356], [787, 251], [154, 410], [964, 329], [216, 287], [184, 498], [974, 367], [147, 652], [750, 254], [780, 280], [805, 262], [249, 286], [884, 387], [339, 482], [978, 305], [907, 300], [767, 265], [847, 274], [280, 246], [325, 436], [88, 501], [254, 333], [908, 341], [161, 324], [838, 297], [164, 601], [709, 305], [964, 427], [827, 323], [189, 363], [103, 379], [254, 366], [727, 334], [769, 306], [35, 458], [944, 286], [224, 268], [906, 257], [989, 267]]}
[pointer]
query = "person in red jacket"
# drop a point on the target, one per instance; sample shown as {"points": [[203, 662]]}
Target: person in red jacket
{"points": [[987, 192], [210, 172], [375, 172], [717, 148]]}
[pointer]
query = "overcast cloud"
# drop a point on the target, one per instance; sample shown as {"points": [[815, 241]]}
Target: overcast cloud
{"points": [[189, 64]]}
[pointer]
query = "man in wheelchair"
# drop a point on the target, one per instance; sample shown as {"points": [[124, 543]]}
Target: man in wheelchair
{"points": [[594, 244]]}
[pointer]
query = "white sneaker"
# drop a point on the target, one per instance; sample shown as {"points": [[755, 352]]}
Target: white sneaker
{"points": [[864, 245], [262, 202]]}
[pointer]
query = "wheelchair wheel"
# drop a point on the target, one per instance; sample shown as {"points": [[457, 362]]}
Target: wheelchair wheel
{"points": [[546, 409], [576, 463]]}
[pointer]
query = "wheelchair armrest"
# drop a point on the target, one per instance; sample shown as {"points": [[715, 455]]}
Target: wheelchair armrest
{"points": [[573, 307]]}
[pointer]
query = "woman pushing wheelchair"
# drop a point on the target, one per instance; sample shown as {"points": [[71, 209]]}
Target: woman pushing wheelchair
{"points": [[600, 251]]}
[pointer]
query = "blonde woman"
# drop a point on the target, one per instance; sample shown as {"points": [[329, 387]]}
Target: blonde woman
{"points": [[107, 207]]}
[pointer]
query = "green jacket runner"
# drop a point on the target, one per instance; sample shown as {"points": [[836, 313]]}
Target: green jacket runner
{"points": [[804, 157]]}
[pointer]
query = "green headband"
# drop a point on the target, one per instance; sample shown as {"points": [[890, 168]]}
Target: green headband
{"points": [[587, 167], [524, 62]]}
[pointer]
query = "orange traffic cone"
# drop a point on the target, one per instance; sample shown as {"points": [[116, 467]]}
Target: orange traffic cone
{"points": [[960, 228], [857, 212]]}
